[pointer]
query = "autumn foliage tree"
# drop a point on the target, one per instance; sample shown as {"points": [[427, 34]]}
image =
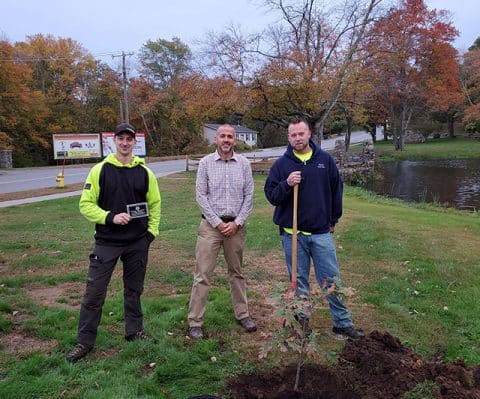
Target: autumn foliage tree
{"points": [[172, 99], [298, 66], [61, 69], [22, 110], [158, 100], [411, 57], [470, 72], [52, 85], [445, 98]]}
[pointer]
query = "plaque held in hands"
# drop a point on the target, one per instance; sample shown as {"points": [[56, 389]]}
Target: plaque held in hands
{"points": [[138, 210]]}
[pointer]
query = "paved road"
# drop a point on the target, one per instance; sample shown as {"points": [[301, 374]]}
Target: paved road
{"points": [[25, 179]]}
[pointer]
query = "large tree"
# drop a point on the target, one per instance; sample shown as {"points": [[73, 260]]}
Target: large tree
{"points": [[470, 72], [297, 67], [101, 98], [61, 70], [444, 98], [164, 61], [65, 91], [22, 111], [404, 46]]}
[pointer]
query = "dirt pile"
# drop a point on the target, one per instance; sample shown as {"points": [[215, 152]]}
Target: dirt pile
{"points": [[378, 366]]}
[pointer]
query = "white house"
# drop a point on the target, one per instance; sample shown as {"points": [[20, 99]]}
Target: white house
{"points": [[243, 133]]}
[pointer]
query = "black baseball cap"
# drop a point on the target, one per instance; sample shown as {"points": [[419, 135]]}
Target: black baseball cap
{"points": [[125, 128]]}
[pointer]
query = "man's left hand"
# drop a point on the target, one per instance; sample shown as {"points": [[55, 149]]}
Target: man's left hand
{"points": [[228, 229]]}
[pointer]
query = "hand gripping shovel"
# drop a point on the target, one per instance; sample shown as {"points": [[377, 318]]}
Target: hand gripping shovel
{"points": [[294, 237]]}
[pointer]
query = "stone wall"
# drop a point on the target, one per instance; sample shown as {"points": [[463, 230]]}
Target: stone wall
{"points": [[357, 166]]}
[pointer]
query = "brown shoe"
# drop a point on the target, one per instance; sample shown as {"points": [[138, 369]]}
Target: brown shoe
{"points": [[195, 332], [248, 324], [79, 351]]}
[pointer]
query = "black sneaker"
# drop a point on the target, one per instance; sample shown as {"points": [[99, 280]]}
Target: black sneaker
{"points": [[78, 351], [141, 336], [348, 333]]}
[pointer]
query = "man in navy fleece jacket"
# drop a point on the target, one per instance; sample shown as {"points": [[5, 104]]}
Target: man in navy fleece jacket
{"points": [[320, 191]]}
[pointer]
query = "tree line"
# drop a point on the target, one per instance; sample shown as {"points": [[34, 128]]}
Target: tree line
{"points": [[361, 63]]}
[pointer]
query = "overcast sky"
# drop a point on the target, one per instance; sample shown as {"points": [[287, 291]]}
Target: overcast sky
{"points": [[106, 27]]}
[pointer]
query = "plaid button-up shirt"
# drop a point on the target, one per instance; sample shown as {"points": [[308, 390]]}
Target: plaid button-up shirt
{"points": [[224, 188]]}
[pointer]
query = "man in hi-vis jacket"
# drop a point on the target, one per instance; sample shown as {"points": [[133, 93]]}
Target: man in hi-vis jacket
{"points": [[121, 196]]}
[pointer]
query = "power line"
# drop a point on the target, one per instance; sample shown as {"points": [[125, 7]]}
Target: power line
{"points": [[54, 58]]}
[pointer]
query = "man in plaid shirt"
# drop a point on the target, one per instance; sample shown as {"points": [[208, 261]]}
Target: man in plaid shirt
{"points": [[224, 191]]}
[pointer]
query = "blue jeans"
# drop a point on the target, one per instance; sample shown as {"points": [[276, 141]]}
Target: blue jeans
{"points": [[321, 249]]}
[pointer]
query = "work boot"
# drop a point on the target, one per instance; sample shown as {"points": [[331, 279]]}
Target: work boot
{"points": [[79, 351], [348, 333], [195, 332], [141, 336], [248, 324]]}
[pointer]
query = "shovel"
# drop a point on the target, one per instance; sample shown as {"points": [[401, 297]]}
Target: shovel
{"points": [[294, 237]]}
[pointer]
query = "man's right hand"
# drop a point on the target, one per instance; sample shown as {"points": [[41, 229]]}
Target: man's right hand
{"points": [[294, 178], [122, 218]]}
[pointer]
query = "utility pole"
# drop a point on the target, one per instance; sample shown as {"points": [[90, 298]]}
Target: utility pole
{"points": [[124, 110]]}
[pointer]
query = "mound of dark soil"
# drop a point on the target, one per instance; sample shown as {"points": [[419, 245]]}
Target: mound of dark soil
{"points": [[375, 367]]}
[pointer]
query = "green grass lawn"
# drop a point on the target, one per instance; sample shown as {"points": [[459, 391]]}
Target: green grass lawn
{"points": [[461, 148], [415, 270]]}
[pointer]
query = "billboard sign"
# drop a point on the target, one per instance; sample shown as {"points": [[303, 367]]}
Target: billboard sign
{"points": [[108, 146], [76, 146]]}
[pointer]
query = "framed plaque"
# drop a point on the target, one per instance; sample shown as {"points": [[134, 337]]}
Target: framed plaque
{"points": [[138, 210]]}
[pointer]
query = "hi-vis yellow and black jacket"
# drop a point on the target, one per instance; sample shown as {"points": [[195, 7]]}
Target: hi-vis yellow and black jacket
{"points": [[109, 188]]}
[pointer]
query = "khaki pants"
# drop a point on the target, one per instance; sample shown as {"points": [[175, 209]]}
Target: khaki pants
{"points": [[209, 241]]}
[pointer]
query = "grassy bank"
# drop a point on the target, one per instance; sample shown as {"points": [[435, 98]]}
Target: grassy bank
{"points": [[460, 148], [415, 269]]}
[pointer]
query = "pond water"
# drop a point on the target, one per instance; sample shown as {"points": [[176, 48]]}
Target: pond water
{"points": [[453, 183]]}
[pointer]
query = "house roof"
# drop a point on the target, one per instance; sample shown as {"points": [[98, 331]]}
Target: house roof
{"points": [[238, 128]]}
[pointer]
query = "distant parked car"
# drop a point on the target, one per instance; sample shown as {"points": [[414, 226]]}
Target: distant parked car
{"points": [[76, 144]]}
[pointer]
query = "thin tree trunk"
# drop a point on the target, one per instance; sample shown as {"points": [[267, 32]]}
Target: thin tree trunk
{"points": [[300, 357], [318, 134], [349, 132], [146, 127], [451, 126], [373, 133]]}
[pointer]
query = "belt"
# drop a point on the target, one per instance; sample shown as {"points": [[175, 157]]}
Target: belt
{"points": [[225, 219]]}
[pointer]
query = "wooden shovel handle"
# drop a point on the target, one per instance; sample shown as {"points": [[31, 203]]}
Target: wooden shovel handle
{"points": [[294, 237]]}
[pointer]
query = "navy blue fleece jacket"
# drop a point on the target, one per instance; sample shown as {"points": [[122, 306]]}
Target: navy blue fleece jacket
{"points": [[319, 193]]}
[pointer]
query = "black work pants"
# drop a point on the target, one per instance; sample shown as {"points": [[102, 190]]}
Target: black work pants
{"points": [[102, 263]]}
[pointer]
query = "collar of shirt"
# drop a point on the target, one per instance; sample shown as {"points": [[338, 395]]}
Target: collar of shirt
{"points": [[219, 158]]}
